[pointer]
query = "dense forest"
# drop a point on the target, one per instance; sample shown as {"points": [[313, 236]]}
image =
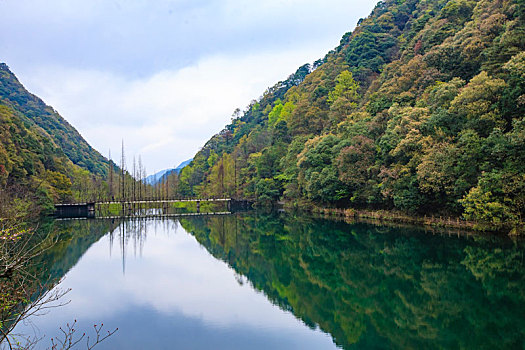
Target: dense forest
{"points": [[420, 109]]}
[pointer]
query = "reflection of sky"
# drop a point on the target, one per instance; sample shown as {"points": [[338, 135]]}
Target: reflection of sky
{"points": [[173, 295]]}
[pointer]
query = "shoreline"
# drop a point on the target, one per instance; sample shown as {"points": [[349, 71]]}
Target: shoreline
{"points": [[395, 217]]}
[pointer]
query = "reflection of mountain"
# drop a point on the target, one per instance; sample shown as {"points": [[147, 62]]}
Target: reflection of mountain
{"points": [[74, 238], [378, 288], [61, 246]]}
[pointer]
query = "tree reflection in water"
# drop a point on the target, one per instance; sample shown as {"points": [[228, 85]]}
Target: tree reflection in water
{"points": [[367, 286], [374, 286], [34, 263]]}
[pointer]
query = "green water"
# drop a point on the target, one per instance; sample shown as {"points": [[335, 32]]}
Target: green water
{"points": [[283, 282], [376, 286]]}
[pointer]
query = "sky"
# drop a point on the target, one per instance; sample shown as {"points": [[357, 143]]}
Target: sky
{"points": [[163, 76]]}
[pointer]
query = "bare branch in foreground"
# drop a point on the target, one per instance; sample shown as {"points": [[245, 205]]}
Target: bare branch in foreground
{"points": [[68, 340]]}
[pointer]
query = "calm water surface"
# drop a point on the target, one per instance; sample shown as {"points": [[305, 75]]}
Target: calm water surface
{"points": [[256, 281]]}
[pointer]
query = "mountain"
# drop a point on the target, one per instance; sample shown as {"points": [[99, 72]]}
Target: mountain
{"points": [[183, 165], [43, 159], [35, 112], [420, 109], [154, 178], [163, 174]]}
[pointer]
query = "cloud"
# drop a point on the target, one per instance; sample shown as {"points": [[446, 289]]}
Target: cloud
{"points": [[140, 38], [172, 275], [166, 76], [165, 117], [172, 289]]}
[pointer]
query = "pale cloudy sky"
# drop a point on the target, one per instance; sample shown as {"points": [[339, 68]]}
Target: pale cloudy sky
{"points": [[165, 75]]}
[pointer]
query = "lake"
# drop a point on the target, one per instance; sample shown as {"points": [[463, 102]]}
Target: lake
{"points": [[281, 281]]}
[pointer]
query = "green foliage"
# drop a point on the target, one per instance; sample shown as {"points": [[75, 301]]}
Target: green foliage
{"points": [[212, 159], [343, 98], [457, 11], [355, 164], [267, 191], [275, 114], [482, 206], [43, 159], [369, 51], [345, 88], [411, 111], [477, 104], [37, 114], [318, 174], [280, 113], [516, 65], [61, 185]]}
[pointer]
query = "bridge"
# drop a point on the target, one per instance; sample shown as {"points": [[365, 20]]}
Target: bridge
{"points": [[140, 208], [146, 201]]}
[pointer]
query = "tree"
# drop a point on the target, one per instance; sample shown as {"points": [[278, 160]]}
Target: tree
{"points": [[482, 207], [317, 172], [355, 165], [477, 103], [343, 98], [280, 113], [60, 184], [267, 191]]}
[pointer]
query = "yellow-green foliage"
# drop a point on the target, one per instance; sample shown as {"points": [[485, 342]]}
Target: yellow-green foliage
{"points": [[421, 108]]}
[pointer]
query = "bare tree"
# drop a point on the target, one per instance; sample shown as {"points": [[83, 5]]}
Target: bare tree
{"points": [[122, 174], [141, 170], [110, 176]]}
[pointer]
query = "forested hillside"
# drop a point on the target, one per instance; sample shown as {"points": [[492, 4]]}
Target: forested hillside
{"points": [[420, 109], [43, 159], [35, 111]]}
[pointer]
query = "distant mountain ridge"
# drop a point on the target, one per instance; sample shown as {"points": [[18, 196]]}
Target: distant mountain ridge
{"points": [[163, 174]]}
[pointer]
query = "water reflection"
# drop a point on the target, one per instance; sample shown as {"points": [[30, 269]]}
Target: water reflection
{"points": [[173, 294], [328, 283], [377, 287]]}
